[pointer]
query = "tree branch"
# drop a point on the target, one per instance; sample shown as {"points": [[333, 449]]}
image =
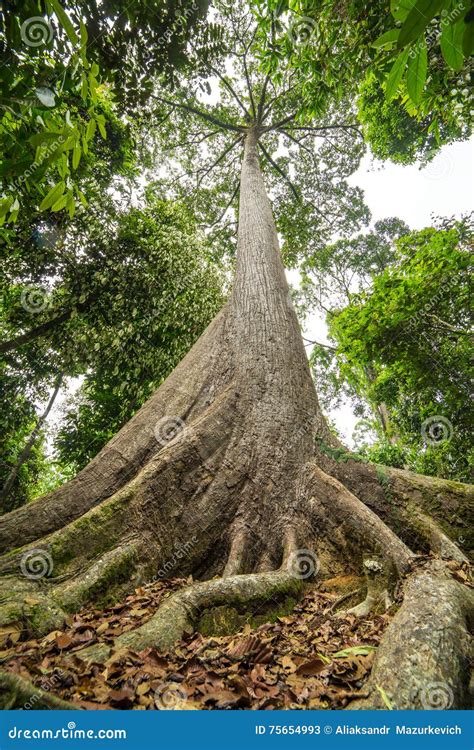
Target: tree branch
{"points": [[47, 326], [25, 453], [231, 89], [448, 326], [277, 125], [234, 193], [318, 343], [297, 141], [218, 161], [280, 171], [327, 127], [200, 113], [261, 103]]}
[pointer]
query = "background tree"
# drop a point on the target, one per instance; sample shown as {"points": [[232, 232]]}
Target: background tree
{"points": [[330, 280], [411, 329], [126, 300]]}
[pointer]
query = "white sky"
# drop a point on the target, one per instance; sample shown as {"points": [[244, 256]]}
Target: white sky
{"points": [[444, 188]]}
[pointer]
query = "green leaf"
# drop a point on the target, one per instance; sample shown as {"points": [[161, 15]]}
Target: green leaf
{"points": [[60, 203], [100, 119], [65, 21], [385, 697], [70, 204], [52, 196], [396, 74], [84, 34], [39, 138], [418, 19], [401, 8], [5, 205], [468, 39], [451, 44], [76, 156], [388, 38], [416, 73], [90, 130]]}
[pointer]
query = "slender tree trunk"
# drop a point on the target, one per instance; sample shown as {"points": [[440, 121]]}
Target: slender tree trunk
{"points": [[25, 453]]}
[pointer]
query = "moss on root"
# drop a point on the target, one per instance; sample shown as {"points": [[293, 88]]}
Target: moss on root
{"points": [[99, 529], [104, 582], [225, 620]]}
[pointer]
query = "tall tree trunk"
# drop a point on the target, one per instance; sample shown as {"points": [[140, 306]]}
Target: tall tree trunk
{"points": [[231, 463]]}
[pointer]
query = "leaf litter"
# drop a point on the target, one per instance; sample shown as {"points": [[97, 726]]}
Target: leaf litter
{"points": [[314, 658]]}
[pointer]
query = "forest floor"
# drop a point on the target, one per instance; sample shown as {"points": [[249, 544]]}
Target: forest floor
{"points": [[314, 657]]}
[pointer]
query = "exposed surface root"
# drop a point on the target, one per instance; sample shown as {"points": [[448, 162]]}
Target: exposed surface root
{"points": [[380, 582], [423, 660], [436, 539], [18, 693], [398, 497], [352, 528], [181, 611], [184, 393]]}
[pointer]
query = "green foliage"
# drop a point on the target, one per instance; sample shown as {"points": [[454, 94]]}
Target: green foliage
{"points": [[394, 133], [411, 80], [404, 343], [70, 71], [130, 293], [447, 22]]}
